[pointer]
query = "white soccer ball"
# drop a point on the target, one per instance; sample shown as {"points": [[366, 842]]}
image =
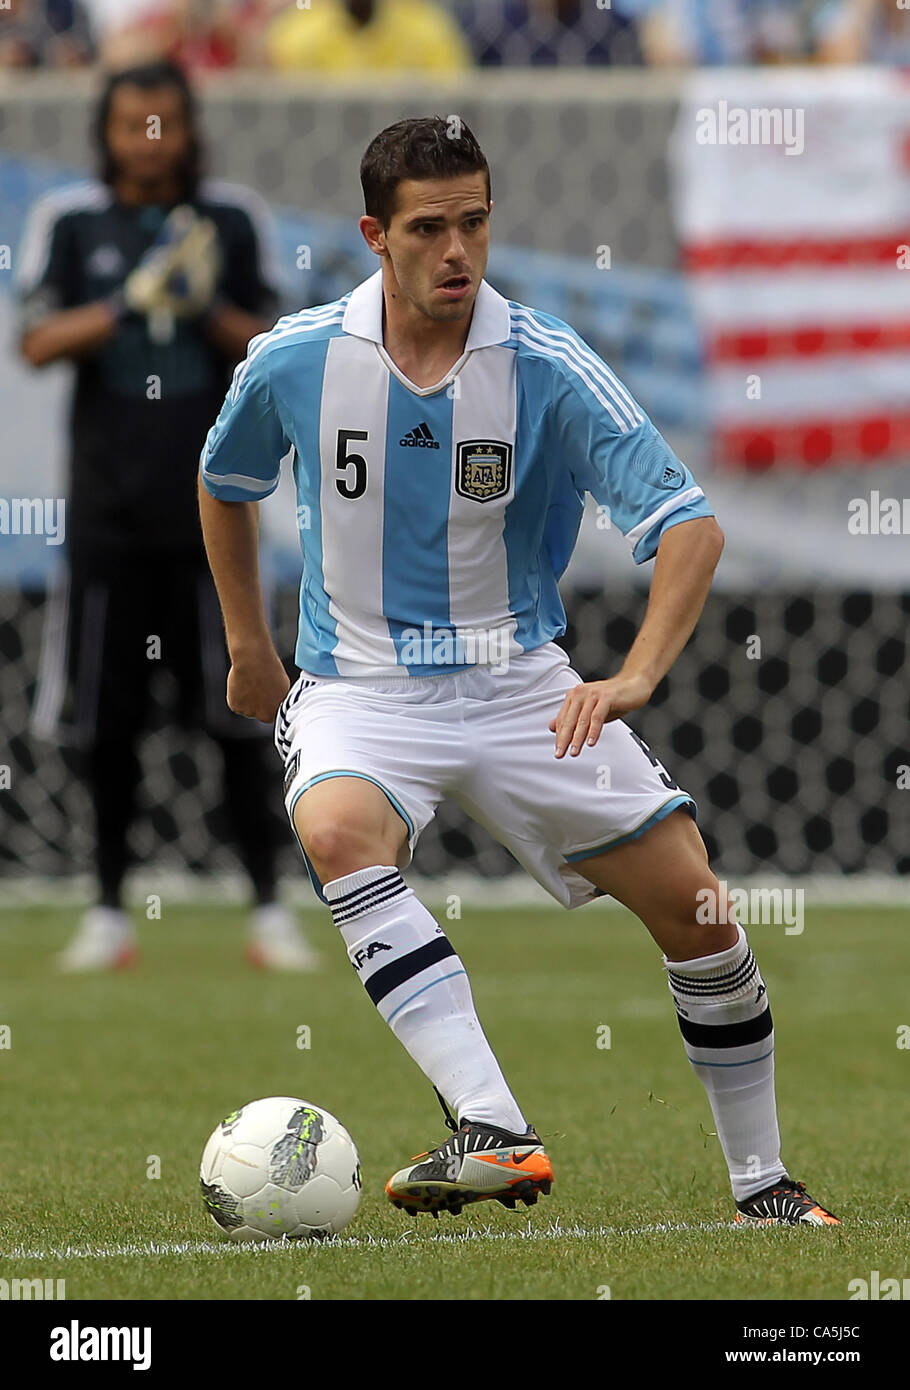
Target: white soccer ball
{"points": [[280, 1167]]}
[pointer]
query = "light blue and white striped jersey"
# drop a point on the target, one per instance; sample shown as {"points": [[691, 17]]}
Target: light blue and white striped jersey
{"points": [[435, 522]]}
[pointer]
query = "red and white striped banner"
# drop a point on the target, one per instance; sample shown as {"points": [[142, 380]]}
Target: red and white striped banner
{"points": [[792, 201]]}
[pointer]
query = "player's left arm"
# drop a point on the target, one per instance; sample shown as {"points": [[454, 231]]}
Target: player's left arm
{"points": [[613, 451], [687, 557], [241, 466]]}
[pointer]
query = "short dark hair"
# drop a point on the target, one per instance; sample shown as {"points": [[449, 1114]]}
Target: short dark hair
{"points": [[150, 76], [425, 147]]}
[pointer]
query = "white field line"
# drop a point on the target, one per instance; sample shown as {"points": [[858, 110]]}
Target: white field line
{"points": [[148, 1249]]}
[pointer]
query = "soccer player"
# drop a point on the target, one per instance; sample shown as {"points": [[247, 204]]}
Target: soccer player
{"points": [[443, 439], [152, 281]]}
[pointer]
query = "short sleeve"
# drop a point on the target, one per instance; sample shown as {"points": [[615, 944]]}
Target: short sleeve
{"points": [[614, 452], [241, 459], [46, 279]]}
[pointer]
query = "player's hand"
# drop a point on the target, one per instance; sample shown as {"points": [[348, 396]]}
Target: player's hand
{"points": [[256, 686], [588, 707], [177, 277]]}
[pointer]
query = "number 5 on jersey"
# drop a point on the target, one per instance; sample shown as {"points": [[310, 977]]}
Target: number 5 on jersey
{"points": [[351, 480]]}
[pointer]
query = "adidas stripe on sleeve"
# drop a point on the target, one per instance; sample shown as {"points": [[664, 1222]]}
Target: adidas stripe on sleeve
{"points": [[435, 523], [611, 448], [241, 458]]}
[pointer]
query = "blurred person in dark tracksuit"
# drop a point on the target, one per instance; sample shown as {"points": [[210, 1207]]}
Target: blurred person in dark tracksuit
{"points": [[151, 280]]}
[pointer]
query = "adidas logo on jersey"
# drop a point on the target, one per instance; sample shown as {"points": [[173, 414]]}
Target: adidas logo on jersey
{"points": [[419, 438]]}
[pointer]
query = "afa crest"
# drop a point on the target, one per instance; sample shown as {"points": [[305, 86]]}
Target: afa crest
{"points": [[483, 469]]}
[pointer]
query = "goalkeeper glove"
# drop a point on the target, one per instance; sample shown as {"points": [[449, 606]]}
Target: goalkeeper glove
{"points": [[178, 275]]}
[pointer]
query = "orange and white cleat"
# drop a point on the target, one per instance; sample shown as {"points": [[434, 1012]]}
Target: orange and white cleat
{"points": [[785, 1203], [276, 941], [106, 940], [477, 1162]]}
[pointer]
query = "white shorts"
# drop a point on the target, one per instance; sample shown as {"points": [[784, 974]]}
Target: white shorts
{"points": [[483, 740]]}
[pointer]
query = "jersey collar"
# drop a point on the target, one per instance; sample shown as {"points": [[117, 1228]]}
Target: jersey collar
{"points": [[490, 323]]}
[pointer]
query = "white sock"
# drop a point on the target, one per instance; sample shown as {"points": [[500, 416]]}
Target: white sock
{"points": [[420, 987], [726, 1025]]}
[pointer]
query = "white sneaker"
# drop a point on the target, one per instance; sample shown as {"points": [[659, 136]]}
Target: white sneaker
{"points": [[106, 940], [276, 941]]}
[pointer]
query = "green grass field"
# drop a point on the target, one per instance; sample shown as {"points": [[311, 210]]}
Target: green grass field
{"points": [[104, 1073]]}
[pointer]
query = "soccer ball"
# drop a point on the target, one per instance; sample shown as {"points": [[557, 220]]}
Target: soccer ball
{"points": [[280, 1167]]}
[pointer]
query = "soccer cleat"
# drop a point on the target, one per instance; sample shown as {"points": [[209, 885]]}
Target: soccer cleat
{"points": [[785, 1203], [105, 940], [275, 941], [477, 1162]]}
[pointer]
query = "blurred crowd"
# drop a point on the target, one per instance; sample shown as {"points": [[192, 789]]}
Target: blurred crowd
{"points": [[350, 36]]}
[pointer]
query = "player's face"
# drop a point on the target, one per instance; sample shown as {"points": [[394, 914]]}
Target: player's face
{"points": [[147, 133], [438, 241]]}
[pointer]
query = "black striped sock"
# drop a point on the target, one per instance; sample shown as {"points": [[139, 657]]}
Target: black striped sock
{"points": [[725, 1020], [415, 978]]}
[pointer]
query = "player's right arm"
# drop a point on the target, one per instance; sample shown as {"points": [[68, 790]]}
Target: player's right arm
{"points": [[240, 465], [69, 333], [257, 681], [52, 326]]}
